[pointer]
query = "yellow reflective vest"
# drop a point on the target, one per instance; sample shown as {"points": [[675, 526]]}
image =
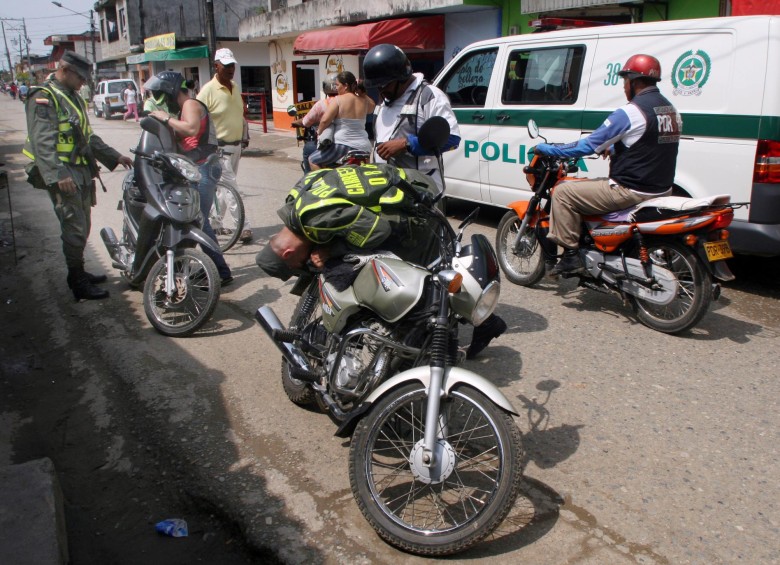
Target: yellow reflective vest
{"points": [[66, 142]]}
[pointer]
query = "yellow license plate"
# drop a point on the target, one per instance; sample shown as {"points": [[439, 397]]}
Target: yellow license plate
{"points": [[718, 250]]}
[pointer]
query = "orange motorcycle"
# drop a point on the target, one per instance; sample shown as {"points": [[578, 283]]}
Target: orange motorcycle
{"points": [[664, 256]]}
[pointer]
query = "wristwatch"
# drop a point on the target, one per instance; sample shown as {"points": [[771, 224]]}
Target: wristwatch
{"points": [[168, 119]]}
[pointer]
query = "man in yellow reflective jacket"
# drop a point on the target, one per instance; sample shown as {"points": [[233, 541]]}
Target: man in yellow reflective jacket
{"points": [[62, 147]]}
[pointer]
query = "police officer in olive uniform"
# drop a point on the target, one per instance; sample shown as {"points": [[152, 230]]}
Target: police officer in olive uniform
{"points": [[63, 150]]}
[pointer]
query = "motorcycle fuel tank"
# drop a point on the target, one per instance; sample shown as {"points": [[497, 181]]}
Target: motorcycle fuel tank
{"points": [[389, 287]]}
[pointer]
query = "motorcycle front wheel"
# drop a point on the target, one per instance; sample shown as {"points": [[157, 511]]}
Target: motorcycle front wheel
{"points": [[307, 309], [694, 292], [227, 215], [463, 498], [523, 265], [195, 297]]}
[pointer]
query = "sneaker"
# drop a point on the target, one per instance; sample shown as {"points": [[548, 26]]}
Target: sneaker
{"points": [[483, 334], [227, 281], [570, 264], [246, 236]]}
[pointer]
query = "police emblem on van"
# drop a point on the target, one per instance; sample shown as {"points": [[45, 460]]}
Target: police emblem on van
{"points": [[690, 73]]}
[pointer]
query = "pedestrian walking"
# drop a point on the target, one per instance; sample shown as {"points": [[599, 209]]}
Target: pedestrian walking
{"points": [[131, 101], [63, 150]]}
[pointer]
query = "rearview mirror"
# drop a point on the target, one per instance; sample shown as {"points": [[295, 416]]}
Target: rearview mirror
{"points": [[434, 133], [533, 129]]}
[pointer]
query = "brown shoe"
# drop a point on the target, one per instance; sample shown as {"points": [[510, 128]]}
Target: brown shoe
{"points": [[246, 236]]}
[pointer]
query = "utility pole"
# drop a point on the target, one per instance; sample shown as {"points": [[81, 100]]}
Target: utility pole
{"points": [[27, 47], [94, 56], [211, 33], [7, 52]]}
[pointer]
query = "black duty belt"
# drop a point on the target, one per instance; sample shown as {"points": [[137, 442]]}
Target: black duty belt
{"points": [[223, 143]]}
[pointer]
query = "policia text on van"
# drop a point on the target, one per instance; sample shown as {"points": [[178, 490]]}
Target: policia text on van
{"points": [[567, 81]]}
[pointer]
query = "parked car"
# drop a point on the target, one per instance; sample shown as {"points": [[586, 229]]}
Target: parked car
{"points": [[108, 97]]}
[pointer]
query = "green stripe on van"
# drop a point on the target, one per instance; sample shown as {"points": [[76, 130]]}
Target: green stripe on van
{"points": [[708, 125]]}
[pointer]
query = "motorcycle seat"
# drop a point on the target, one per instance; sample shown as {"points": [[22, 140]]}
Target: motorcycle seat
{"points": [[674, 206], [664, 207]]}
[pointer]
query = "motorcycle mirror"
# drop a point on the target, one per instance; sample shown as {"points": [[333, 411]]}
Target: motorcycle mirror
{"points": [[533, 129], [434, 133], [292, 110]]}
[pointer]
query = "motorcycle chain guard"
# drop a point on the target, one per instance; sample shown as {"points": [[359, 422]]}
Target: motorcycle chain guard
{"points": [[609, 268]]}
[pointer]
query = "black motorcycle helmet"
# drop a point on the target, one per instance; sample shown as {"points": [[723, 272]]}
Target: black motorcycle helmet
{"points": [[385, 63], [169, 83]]}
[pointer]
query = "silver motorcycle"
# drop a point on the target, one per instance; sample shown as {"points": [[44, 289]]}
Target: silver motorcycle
{"points": [[435, 456]]}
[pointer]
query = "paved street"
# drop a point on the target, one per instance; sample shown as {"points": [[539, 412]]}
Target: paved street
{"points": [[640, 447]]}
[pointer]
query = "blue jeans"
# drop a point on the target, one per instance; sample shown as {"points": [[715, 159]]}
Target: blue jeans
{"points": [[207, 187]]}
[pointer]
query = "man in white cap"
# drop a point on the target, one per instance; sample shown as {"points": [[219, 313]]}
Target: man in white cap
{"points": [[222, 97]]}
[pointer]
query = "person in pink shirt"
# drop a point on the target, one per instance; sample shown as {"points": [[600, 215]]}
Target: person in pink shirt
{"points": [[131, 101]]}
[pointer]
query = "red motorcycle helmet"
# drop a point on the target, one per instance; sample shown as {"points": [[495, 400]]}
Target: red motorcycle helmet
{"points": [[641, 66]]}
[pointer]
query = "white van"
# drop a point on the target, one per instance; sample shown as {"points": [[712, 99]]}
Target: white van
{"points": [[109, 97], [722, 74]]}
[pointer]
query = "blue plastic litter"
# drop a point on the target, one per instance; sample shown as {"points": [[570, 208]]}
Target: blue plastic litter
{"points": [[174, 527]]}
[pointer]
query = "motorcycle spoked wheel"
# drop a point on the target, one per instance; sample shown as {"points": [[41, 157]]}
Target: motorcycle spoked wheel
{"points": [[480, 450], [694, 293], [227, 215], [524, 267], [307, 309], [197, 293]]}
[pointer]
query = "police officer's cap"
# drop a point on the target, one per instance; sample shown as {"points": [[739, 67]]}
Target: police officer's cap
{"points": [[78, 63]]}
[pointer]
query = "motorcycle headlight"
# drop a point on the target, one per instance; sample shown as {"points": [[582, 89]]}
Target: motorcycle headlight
{"points": [[184, 167]]}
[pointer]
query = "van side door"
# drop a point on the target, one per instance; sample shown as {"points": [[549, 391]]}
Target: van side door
{"points": [[543, 81], [467, 82]]}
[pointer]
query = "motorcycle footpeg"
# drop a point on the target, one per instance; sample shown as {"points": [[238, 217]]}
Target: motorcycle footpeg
{"points": [[303, 375], [284, 336]]}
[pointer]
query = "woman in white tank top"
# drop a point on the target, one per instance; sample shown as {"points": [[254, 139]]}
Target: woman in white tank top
{"points": [[348, 116]]}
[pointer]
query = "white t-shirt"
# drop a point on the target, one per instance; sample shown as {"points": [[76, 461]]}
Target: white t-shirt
{"points": [[386, 119], [130, 95]]}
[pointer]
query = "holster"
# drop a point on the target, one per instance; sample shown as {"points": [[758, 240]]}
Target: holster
{"points": [[34, 176]]}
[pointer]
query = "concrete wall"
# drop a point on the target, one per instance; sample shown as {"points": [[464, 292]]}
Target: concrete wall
{"points": [[319, 14]]}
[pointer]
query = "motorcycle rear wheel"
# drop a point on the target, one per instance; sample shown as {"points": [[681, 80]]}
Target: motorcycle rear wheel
{"points": [[306, 310], [694, 293], [197, 293], [227, 215], [526, 266], [457, 509]]}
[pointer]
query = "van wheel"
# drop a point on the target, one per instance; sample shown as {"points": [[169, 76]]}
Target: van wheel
{"points": [[96, 112], [106, 112]]}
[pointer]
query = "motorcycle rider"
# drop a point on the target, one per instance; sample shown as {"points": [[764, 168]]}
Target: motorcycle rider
{"points": [[332, 212], [197, 139], [63, 149], [407, 102], [641, 138], [311, 120]]}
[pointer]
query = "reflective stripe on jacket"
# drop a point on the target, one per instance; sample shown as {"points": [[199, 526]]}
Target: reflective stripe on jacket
{"points": [[66, 142]]}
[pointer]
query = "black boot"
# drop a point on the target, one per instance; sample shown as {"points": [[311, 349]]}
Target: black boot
{"points": [[570, 264], [484, 333], [82, 288], [96, 279]]}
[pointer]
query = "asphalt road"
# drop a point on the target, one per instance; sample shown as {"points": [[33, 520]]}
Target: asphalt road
{"points": [[640, 447]]}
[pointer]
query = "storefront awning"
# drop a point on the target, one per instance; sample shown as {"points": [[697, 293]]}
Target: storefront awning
{"points": [[417, 34], [197, 52]]}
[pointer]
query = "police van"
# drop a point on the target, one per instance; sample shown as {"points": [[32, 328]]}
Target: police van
{"points": [[722, 74]]}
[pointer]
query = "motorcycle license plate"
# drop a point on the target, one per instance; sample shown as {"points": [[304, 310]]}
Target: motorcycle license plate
{"points": [[718, 250]]}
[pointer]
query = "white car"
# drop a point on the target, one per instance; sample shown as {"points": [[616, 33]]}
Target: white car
{"points": [[109, 99]]}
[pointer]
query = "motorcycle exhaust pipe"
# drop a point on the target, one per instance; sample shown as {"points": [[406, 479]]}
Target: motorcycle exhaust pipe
{"points": [[112, 245], [272, 326]]}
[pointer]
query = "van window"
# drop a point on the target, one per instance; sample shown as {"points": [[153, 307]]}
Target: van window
{"points": [[543, 76], [117, 87], [467, 83]]}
